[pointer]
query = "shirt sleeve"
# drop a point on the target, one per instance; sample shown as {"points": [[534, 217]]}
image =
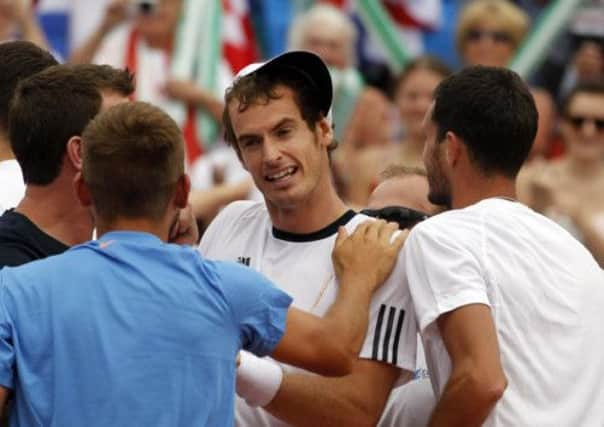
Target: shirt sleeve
{"points": [[259, 308], [7, 351], [444, 271], [392, 333]]}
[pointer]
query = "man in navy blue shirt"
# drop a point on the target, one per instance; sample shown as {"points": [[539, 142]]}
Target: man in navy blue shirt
{"points": [[129, 330]]}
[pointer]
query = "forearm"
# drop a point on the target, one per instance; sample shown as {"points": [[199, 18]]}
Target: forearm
{"points": [[206, 203], [357, 399], [347, 319], [86, 52], [33, 33], [209, 103]]}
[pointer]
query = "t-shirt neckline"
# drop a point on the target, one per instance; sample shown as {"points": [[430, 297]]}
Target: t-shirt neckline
{"points": [[315, 235]]}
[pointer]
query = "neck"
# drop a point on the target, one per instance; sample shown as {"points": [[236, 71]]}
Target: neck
{"points": [[584, 168], [55, 210], [477, 188], [5, 151], [160, 43], [159, 228], [309, 215]]}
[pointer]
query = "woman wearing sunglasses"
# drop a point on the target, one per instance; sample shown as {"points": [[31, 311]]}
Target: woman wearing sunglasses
{"points": [[489, 32]]}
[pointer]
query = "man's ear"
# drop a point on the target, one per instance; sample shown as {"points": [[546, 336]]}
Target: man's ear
{"points": [[325, 131], [181, 194], [82, 191], [74, 152], [455, 148]]}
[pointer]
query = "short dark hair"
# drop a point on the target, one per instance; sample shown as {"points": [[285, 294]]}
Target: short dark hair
{"points": [[492, 110], [261, 88], [19, 60], [51, 107], [133, 155], [592, 87]]}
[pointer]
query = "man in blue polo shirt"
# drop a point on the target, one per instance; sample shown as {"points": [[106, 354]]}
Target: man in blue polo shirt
{"points": [[131, 331]]}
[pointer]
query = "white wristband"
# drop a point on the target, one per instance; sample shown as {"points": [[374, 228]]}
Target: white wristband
{"points": [[258, 380]]}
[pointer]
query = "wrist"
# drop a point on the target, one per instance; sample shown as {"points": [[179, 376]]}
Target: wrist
{"points": [[105, 28], [357, 285], [258, 379]]}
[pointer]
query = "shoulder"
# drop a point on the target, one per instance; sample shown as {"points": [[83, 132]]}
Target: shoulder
{"points": [[232, 277], [242, 213], [243, 210], [356, 220], [457, 226], [17, 236], [34, 273]]}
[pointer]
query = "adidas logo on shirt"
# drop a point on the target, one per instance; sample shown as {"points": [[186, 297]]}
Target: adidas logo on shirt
{"points": [[244, 260]]}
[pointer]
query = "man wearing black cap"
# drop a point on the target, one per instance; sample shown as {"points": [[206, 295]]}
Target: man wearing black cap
{"points": [[276, 119]]}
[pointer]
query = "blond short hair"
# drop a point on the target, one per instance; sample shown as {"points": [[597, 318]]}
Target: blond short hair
{"points": [[401, 171], [504, 13]]}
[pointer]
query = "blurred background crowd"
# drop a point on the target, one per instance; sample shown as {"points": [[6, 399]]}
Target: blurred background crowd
{"points": [[386, 57]]}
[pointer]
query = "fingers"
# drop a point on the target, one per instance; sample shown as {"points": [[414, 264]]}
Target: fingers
{"points": [[386, 230], [399, 240], [342, 235], [374, 229]]}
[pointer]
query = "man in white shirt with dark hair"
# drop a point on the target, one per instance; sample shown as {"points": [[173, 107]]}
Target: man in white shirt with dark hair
{"points": [[276, 120], [508, 303]]}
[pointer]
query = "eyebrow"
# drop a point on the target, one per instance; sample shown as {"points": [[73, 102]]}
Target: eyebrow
{"points": [[283, 122]]}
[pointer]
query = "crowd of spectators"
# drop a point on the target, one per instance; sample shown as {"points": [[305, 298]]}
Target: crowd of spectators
{"points": [[376, 115]]}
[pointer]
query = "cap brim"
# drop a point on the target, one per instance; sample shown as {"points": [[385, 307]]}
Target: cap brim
{"points": [[305, 63]]}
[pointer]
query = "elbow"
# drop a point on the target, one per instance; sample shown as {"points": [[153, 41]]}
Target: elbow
{"points": [[487, 391], [334, 358], [341, 361]]}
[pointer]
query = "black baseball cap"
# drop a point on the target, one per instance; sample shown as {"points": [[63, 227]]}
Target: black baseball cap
{"points": [[304, 63]]}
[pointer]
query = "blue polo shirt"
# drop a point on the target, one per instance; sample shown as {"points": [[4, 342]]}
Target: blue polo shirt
{"points": [[130, 331]]}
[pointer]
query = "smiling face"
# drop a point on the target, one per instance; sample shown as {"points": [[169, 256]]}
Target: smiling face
{"points": [[287, 160], [584, 139], [439, 186]]}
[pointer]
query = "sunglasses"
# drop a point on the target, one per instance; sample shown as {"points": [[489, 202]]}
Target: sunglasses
{"points": [[495, 36], [404, 217], [145, 7], [579, 121]]}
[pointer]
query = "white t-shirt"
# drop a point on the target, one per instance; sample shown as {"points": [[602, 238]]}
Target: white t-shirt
{"points": [[546, 295], [410, 405], [12, 188], [301, 265]]}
